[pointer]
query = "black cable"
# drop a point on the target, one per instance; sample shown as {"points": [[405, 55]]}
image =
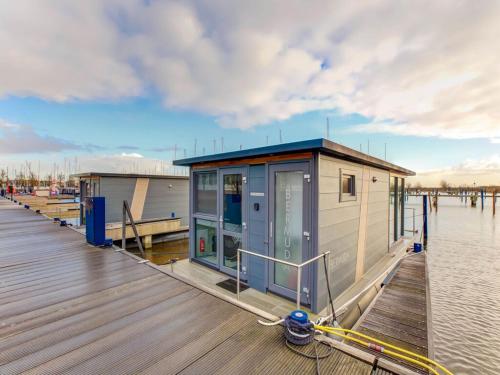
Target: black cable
{"points": [[316, 356], [329, 291]]}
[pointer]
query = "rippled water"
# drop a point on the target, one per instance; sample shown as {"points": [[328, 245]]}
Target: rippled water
{"points": [[464, 270], [163, 253]]}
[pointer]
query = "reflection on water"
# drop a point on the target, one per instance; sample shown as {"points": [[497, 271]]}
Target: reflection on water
{"points": [[162, 253], [464, 270]]}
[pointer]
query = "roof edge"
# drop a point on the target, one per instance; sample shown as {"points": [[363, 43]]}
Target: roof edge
{"points": [[127, 175], [320, 144]]}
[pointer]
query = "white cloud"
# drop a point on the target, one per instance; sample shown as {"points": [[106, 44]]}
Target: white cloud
{"points": [[131, 155], [417, 68], [22, 139], [125, 163], [480, 171]]}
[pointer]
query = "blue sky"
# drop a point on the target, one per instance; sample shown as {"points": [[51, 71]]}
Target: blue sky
{"points": [[124, 82], [146, 127]]}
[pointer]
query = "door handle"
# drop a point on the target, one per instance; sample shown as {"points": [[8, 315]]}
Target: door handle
{"points": [[270, 229]]}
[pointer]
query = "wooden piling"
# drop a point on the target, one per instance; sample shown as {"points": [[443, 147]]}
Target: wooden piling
{"points": [[430, 201], [425, 216], [494, 201]]}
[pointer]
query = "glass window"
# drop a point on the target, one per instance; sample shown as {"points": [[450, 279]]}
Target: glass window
{"points": [[205, 190], [289, 228], [232, 202], [348, 187], [206, 240]]}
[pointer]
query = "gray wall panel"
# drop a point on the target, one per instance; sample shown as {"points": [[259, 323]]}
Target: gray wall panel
{"points": [[377, 235], [338, 227], [165, 196], [339, 224], [116, 190], [257, 226]]}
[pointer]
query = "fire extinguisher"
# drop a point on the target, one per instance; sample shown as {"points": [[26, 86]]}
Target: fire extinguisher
{"points": [[202, 244]]}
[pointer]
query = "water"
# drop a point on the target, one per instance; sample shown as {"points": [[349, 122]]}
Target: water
{"points": [[162, 253], [464, 270]]}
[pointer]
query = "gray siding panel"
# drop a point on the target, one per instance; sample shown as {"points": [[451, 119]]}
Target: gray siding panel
{"points": [[257, 227], [377, 235], [339, 224], [166, 197], [115, 190]]}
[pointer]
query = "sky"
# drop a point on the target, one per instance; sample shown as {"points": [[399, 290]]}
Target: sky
{"points": [[128, 85]]}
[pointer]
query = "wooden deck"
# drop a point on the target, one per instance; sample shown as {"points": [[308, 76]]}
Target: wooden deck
{"points": [[399, 315], [68, 307]]}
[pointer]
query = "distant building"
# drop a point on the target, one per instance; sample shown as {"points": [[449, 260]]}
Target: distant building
{"points": [[292, 202], [149, 196]]}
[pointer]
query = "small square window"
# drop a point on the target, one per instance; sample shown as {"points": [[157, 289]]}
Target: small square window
{"points": [[347, 187]]}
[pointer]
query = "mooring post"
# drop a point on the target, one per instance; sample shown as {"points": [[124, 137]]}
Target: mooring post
{"points": [[425, 218], [430, 202], [482, 199], [124, 227], [494, 201]]}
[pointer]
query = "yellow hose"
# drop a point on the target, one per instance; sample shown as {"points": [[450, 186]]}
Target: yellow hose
{"points": [[335, 331], [393, 347]]}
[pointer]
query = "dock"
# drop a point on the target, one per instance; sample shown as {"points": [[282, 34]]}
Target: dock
{"points": [[51, 207], [68, 307], [400, 314]]}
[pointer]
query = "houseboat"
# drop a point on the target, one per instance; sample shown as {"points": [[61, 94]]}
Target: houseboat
{"points": [[158, 203], [293, 202]]}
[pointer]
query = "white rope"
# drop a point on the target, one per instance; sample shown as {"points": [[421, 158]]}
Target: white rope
{"points": [[269, 324]]}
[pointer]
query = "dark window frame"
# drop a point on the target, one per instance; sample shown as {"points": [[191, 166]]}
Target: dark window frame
{"points": [[351, 194]]}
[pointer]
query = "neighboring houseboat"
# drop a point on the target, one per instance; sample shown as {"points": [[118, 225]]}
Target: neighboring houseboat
{"points": [[292, 202], [158, 202]]}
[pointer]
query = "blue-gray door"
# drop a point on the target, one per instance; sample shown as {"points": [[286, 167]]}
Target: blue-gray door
{"points": [[232, 218], [289, 227]]}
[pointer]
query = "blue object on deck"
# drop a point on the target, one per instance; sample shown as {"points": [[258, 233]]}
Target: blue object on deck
{"points": [[417, 247], [95, 221], [56, 219], [298, 329], [299, 316], [26, 206], [63, 223], [107, 242]]}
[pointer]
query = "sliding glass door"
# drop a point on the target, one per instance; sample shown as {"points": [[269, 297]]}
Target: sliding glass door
{"points": [[232, 213], [205, 217], [289, 227]]}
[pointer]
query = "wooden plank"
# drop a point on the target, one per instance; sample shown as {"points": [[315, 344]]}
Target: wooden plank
{"points": [[399, 315]]}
